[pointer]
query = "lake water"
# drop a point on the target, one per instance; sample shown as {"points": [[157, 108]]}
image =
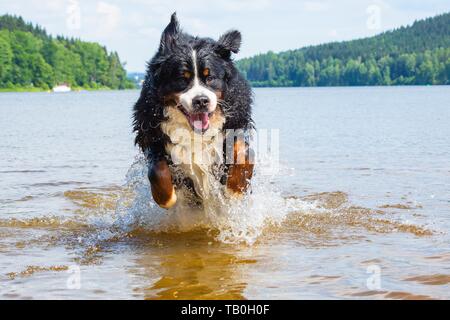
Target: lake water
{"points": [[360, 206]]}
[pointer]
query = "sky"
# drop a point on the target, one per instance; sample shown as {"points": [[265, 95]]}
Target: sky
{"points": [[133, 27]]}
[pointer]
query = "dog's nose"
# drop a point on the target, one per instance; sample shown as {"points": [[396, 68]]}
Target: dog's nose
{"points": [[200, 103]]}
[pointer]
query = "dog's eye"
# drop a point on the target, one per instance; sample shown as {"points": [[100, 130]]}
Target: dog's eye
{"points": [[187, 75], [206, 72], [210, 79]]}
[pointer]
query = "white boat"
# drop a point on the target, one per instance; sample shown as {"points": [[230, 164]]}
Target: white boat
{"points": [[62, 88]]}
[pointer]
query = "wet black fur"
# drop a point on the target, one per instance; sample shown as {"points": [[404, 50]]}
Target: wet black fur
{"points": [[165, 76]]}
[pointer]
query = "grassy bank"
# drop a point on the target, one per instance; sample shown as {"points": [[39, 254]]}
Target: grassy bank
{"points": [[30, 89]]}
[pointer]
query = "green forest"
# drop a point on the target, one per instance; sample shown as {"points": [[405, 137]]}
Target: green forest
{"points": [[30, 59], [415, 55]]}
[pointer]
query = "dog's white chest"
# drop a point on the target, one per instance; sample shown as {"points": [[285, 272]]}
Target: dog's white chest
{"points": [[196, 155]]}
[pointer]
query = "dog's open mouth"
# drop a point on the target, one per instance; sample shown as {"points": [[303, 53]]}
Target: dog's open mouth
{"points": [[198, 121]]}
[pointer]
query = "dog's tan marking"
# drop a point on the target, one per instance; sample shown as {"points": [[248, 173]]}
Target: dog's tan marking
{"points": [[171, 99], [241, 171], [163, 191], [187, 74], [206, 72], [219, 94]]}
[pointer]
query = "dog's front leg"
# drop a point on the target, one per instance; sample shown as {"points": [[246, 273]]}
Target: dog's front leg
{"points": [[163, 191], [241, 171]]}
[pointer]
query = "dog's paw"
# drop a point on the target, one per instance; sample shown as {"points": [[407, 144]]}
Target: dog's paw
{"points": [[233, 194], [163, 191], [170, 202], [241, 171]]}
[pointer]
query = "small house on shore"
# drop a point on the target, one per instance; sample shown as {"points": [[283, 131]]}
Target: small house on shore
{"points": [[64, 87]]}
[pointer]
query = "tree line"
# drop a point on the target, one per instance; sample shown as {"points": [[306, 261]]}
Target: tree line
{"points": [[414, 55], [30, 58]]}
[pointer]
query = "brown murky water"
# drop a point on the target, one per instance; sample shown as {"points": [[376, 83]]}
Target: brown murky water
{"points": [[359, 208]]}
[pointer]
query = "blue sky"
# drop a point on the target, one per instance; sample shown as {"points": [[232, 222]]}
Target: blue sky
{"points": [[133, 27]]}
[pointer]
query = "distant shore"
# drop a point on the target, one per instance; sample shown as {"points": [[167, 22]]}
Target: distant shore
{"points": [[348, 86], [4, 90]]}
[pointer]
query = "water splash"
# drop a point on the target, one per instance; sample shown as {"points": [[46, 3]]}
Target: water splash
{"points": [[230, 220], [109, 214]]}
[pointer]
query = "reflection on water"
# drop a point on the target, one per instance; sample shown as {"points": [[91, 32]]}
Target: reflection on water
{"points": [[195, 269], [64, 203]]}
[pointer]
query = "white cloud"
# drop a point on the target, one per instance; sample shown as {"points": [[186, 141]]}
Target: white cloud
{"points": [[247, 5], [109, 15], [54, 5], [315, 6], [149, 32], [195, 25], [333, 33]]}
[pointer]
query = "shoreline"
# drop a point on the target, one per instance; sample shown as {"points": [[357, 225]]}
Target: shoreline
{"points": [[358, 86], [31, 90]]}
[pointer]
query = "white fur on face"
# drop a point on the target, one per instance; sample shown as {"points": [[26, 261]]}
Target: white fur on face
{"points": [[196, 91]]}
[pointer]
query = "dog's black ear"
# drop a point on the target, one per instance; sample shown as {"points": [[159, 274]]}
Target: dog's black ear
{"points": [[229, 42], [170, 34]]}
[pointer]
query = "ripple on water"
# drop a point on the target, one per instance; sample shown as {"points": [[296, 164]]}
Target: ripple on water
{"points": [[394, 295], [433, 279], [114, 212], [99, 199], [30, 270], [263, 211]]}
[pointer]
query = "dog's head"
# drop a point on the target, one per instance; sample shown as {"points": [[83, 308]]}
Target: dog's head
{"points": [[191, 73]]}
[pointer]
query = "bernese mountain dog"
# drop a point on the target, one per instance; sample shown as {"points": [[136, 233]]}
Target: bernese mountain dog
{"points": [[193, 118]]}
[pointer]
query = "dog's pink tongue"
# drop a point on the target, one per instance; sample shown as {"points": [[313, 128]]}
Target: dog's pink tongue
{"points": [[199, 121]]}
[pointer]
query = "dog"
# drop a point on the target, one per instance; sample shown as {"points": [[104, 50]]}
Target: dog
{"points": [[193, 94]]}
